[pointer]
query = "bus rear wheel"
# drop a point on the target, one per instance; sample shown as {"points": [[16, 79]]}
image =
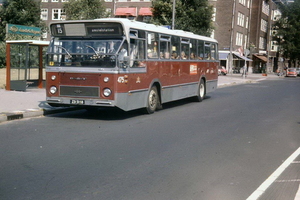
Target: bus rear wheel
{"points": [[152, 100], [201, 91]]}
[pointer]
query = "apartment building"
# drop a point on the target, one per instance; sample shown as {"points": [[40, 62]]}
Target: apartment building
{"points": [[232, 30], [244, 31]]}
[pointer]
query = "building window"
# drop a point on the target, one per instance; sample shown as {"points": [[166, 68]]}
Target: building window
{"points": [[262, 43], [108, 11], [274, 46], [44, 0], [243, 2], [54, 0], [264, 25], [239, 39], [64, 0], [44, 35], [108, 0], [276, 15], [58, 14], [214, 14], [147, 19], [265, 8], [241, 19], [44, 14]]}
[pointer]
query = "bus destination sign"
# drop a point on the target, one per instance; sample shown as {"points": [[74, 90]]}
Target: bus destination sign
{"points": [[104, 30]]}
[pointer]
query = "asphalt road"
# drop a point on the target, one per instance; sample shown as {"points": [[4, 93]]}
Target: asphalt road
{"points": [[222, 148]]}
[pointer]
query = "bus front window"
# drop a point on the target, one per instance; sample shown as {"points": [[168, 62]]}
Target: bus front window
{"points": [[83, 53]]}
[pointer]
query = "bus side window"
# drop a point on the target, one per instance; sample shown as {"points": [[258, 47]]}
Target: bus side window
{"points": [[152, 45], [207, 50], [137, 53], [185, 49], [175, 42], [200, 50], [213, 52], [193, 49], [164, 46]]}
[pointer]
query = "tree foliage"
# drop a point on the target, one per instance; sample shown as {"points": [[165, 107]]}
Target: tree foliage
{"points": [[84, 9], [20, 12], [190, 15], [288, 30]]}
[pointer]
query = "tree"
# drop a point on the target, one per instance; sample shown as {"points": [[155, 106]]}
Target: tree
{"points": [[84, 9], [20, 12], [191, 15], [287, 31]]}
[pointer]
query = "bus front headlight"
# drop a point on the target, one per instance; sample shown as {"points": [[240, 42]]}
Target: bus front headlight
{"points": [[106, 79], [106, 92], [53, 77], [53, 89]]}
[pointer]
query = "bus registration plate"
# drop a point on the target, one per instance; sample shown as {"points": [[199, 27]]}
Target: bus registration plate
{"points": [[77, 102]]}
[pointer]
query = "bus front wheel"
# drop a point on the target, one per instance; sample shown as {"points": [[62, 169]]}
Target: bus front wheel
{"points": [[201, 91], [152, 100]]}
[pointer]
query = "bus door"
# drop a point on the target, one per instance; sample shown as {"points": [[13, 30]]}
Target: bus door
{"points": [[137, 65]]}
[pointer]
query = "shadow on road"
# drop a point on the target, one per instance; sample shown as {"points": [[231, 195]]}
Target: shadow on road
{"points": [[115, 114]]}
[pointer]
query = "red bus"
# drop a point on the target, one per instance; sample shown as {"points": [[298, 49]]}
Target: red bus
{"points": [[127, 64]]}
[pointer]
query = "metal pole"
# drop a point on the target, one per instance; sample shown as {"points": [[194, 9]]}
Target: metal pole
{"points": [[231, 39], [173, 15]]}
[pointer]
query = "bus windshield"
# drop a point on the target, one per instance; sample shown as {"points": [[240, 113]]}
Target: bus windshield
{"points": [[83, 52]]}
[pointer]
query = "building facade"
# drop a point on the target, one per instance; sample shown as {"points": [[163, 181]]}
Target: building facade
{"points": [[244, 31]]}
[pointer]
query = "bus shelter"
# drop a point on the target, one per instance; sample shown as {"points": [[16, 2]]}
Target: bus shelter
{"points": [[24, 64]]}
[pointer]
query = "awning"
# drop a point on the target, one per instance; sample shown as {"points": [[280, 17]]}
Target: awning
{"points": [[223, 56], [242, 57], [145, 12], [125, 12], [263, 58]]}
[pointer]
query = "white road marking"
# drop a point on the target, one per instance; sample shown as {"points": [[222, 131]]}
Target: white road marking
{"points": [[297, 197], [287, 181], [266, 184]]}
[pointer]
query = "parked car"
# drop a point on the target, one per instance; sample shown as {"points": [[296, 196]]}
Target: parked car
{"points": [[298, 71], [291, 72], [222, 70]]}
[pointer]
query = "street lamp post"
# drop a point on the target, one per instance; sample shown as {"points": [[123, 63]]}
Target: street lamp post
{"points": [[173, 15]]}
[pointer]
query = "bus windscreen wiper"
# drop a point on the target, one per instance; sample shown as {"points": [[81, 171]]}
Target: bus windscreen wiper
{"points": [[65, 50], [96, 52]]}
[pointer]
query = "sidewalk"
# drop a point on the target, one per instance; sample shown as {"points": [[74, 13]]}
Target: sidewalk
{"points": [[17, 105], [233, 79]]}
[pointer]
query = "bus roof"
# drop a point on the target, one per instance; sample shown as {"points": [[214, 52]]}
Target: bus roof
{"points": [[127, 24]]}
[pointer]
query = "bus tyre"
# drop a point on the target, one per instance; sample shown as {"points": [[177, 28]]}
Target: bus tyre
{"points": [[201, 91], [152, 100]]}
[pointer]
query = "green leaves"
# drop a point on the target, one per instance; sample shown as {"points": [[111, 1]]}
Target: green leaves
{"points": [[288, 30], [84, 9], [21, 12], [191, 15]]}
